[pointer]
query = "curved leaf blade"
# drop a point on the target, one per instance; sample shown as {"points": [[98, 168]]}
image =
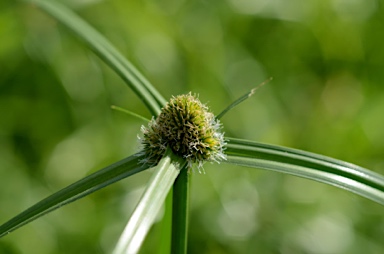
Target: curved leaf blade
{"points": [[106, 51], [100, 179], [150, 203], [307, 165]]}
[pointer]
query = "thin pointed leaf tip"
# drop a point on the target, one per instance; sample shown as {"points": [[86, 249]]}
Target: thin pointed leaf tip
{"points": [[188, 128]]}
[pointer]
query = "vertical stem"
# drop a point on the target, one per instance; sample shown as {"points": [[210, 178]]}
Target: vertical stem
{"points": [[180, 213]]}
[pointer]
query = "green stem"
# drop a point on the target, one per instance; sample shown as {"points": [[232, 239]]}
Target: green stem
{"points": [[180, 212]]}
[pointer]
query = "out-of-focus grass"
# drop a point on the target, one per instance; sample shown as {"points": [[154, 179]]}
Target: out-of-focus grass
{"points": [[56, 125]]}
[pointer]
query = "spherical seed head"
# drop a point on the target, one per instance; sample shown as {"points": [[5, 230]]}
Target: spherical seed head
{"points": [[188, 128]]}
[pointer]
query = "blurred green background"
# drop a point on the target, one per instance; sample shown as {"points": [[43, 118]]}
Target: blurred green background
{"points": [[326, 58]]}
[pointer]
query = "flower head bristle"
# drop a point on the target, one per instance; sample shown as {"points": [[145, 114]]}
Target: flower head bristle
{"points": [[188, 128]]}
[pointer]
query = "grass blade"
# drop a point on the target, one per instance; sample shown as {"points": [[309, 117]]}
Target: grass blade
{"points": [[75, 191], [241, 99], [128, 112], [106, 51], [307, 165], [150, 203]]}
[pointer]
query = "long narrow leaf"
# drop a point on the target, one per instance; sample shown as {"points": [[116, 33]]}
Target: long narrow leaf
{"points": [[308, 165], [128, 112], [150, 203], [106, 51], [241, 99], [75, 191]]}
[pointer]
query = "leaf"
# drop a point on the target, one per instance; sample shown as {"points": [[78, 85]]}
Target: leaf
{"points": [[307, 165], [241, 99], [126, 111], [150, 203], [106, 51], [100, 179]]}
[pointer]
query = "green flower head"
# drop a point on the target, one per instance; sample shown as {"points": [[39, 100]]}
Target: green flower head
{"points": [[188, 128]]}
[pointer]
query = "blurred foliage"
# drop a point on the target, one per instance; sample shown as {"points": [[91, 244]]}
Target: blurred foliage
{"points": [[56, 125]]}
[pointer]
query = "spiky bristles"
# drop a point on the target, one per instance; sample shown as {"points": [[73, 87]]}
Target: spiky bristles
{"points": [[188, 128]]}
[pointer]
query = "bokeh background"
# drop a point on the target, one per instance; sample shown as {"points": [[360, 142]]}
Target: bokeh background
{"points": [[326, 58]]}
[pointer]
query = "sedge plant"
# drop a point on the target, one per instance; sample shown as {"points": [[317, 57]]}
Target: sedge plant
{"points": [[182, 135]]}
